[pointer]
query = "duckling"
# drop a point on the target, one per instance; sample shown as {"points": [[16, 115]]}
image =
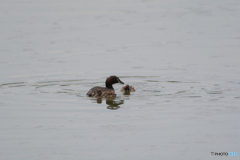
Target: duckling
{"points": [[127, 88], [107, 91]]}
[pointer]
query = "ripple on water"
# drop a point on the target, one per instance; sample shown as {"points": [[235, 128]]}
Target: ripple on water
{"points": [[147, 88], [16, 84], [214, 92]]}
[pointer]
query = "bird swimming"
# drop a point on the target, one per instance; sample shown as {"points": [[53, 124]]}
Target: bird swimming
{"points": [[127, 88], [107, 91]]}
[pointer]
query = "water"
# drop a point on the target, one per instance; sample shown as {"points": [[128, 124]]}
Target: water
{"points": [[181, 57]]}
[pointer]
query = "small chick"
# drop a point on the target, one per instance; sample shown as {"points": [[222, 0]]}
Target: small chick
{"points": [[127, 88]]}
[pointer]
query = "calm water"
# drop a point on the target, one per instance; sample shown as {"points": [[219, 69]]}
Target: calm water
{"points": [[182, 57]]}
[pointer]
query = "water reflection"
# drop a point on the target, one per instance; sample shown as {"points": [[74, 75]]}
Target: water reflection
{"points": [[112, 103], [99, 100], [126, 93]]}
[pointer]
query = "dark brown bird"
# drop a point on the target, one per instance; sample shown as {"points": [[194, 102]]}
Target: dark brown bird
{"points": [[107, 91]]}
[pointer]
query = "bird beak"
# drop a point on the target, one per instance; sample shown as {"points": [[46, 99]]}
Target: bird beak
{"points": [[119, 81]]}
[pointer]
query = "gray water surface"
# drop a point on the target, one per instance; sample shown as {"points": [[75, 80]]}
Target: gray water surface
{"points": [[182, 57]]}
